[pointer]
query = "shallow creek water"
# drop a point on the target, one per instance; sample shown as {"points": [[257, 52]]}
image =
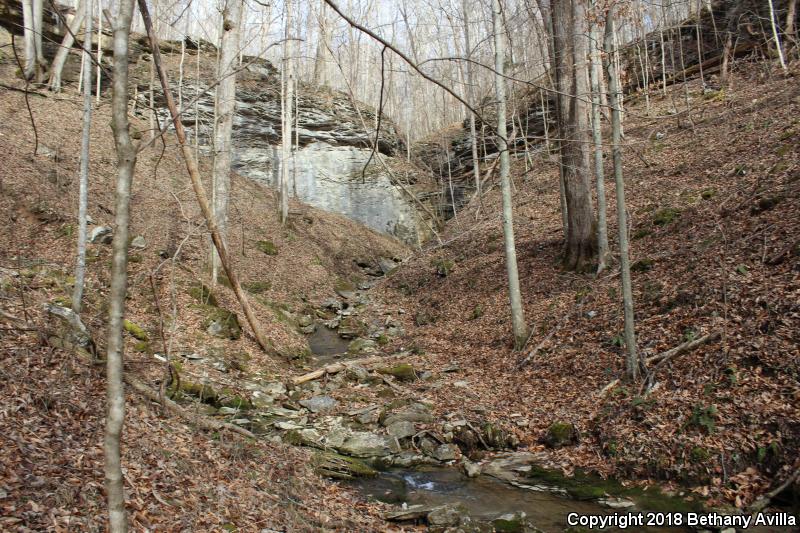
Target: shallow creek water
{"points": [[326, 345], [484, 498]]}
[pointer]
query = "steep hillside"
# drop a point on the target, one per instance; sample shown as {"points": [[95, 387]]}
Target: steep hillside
{"points": [[714, 202], [53, 403]]}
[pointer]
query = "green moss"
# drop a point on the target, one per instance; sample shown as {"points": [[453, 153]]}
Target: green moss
{"points": [[443, 267], [222, 323], [202, 391], [666, 216], [338, 466], [236, 402], [708, 194], [136, 331], [142, 347], [586, 492], [703, 418], [699, 454], [477, 312], [343, 287], [382, 339], [202, 294], [402, 371], [257, 287], [561, 434], [267, 247]]}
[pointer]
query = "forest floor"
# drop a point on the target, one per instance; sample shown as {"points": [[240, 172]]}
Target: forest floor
{"points": [[713, 198], [715, 212]]}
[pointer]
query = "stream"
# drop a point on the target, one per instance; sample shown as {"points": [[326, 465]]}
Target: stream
{"points": [[485, 499]]}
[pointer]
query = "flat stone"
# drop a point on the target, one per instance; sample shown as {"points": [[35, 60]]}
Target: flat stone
{"points": [[445, 452], [319, 404], [139, 243], [102, 235], [471, 469], [366, 444], [444, 516], [287, 425], [411, 415], [401, 429]]}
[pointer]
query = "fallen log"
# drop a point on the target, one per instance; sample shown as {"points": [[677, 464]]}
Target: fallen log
{"points": [[202, 421], [663, 357], [335, 368]]}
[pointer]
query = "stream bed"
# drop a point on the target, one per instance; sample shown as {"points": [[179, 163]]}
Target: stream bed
{"points": [[485, 499]]}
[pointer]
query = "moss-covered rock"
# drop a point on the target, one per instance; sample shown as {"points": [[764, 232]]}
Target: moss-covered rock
{"points": [[351, 327], [561, 434], [136, 331], [202, 391], [362, 346], [338, 466], [267, 247], [222, 323], [142, 347], [698, 454], [443, 267], [666, 216], [345, 289], [402, 371], [202, 294], [257, 287]]}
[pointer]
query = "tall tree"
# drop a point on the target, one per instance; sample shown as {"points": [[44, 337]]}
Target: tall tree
{"points": [[597, 138], [83, 193], [60, 59], [225, 104], [126, 161], [321, 59], [470, 83], [286, 116], [32, 31], [614, 90], [520, 329], [571, 73]]}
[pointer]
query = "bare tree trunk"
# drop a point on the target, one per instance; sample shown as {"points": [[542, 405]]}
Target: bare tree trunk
{"points": [[126, 160], [323, 45], [777, 37], [597, 137], [226, 107], [791, 13], [100, 48], [632, 362], [571, 78], [29, 32], [286, 126], [61, 56], [83, 193], [38, 14], [476, 168], [197, 185], [517, 314]]}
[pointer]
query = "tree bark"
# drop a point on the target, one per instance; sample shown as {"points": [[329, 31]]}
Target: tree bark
{"points": [[197, 185], [226, 108], [83, 192], [519, 328], [778, 45], [614, 90], [61, 56], [571, 80], [126, 160], [29, 39], [597, 137], [286, 118], [476, 168]]}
